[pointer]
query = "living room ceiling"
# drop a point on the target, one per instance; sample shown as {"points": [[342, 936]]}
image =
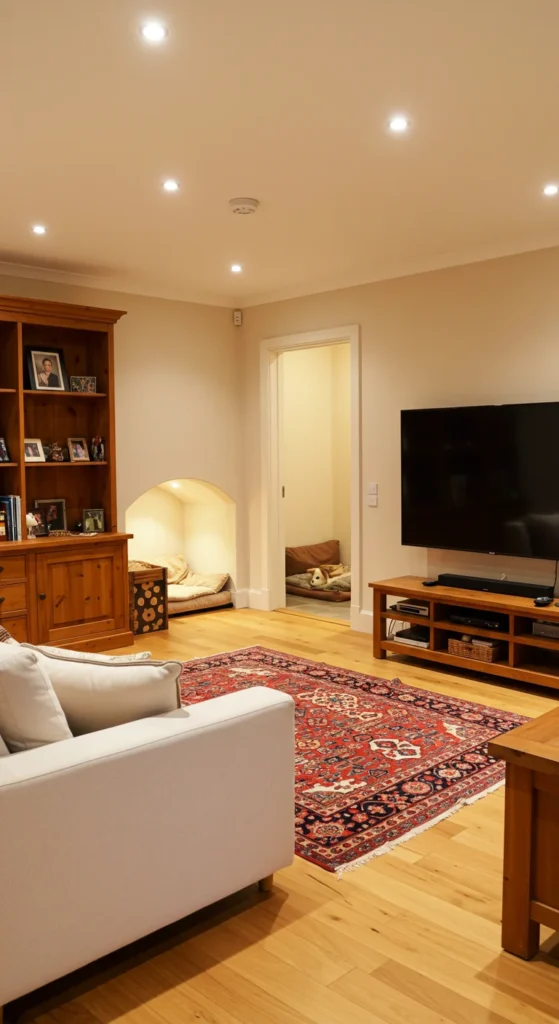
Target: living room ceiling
{"points": [[287, 103]]}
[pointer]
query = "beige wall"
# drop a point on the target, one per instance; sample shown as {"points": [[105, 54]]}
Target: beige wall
{"points": [[157, 521], [341, 449], [486, 332], [177, 379], [315, 445]]}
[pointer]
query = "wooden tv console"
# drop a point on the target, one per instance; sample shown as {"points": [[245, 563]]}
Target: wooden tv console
{"points": [[525, 658]]}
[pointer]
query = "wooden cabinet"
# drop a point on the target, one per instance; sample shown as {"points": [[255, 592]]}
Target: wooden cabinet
{"points": [[61, 590], [67, 592]]}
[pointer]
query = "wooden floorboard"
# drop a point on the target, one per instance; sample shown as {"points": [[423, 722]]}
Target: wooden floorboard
{"points": [[411, 938]]}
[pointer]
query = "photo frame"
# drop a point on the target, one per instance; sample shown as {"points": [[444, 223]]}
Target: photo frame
{"points": [[78, 450], [41, 530], [33, 450], [87, 385], [4, 453], [46, 369], [93, 520], [54, 512]]}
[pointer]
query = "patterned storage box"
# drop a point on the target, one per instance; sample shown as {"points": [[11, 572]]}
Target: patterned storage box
{"points": [[148, 597]]}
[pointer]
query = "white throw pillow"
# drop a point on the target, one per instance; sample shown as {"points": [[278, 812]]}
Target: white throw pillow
{"points": [[62, 652], [98, 695], [30, 712], [3, 748]]}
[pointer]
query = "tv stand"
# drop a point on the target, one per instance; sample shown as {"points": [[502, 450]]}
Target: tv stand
{"points": [[524, 657]]}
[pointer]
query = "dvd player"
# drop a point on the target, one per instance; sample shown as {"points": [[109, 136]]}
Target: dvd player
{"points": [[465, 618]]}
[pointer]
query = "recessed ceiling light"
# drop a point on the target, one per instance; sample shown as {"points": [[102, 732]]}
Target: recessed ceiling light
{"points": [[154, 32], [39, 229], [398, 124], [236, 268], [551, 190], [171, 185], [175, 484]]}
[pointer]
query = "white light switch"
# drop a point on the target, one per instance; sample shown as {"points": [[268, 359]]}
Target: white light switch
{"points": [[372, 500], [372, 488]]}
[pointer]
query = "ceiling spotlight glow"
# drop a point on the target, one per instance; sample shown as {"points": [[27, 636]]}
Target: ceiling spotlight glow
{"points": [[398, 124], [175, 484], [236, 268], [171, 185], [154, 32], [39, 229], [551, 190]]}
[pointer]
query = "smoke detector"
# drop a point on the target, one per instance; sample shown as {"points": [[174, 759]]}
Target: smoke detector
{"points": [[244, 206]]}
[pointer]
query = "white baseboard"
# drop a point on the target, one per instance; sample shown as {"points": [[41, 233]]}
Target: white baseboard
{"points": [[361, 620], [240, 598], [259, 600]]}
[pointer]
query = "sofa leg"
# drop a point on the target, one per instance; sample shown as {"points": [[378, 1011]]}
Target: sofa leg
{"points": [[265, 885]]}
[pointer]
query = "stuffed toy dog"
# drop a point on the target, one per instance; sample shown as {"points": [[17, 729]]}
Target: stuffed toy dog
{"points": [[322, 574]]}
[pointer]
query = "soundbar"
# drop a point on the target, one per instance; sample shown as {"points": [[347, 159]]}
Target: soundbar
{"points": [[512, 587]]}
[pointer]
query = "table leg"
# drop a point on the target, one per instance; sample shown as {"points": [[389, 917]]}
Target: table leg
{"points": [[379, 624], [520, 935]]}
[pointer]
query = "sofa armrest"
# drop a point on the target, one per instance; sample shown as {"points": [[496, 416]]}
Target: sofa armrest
{"points": [[111, 835]]}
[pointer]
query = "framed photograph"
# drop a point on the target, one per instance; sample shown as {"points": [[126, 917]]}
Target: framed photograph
{"points": [[47, 371], [54, 510], [93, 520], [78, 450], [4, 454], [33, 450], [84, 384], [41, 529]]}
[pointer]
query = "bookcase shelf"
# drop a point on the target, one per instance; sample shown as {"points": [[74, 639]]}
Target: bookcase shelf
{"points": [[61, 590]]}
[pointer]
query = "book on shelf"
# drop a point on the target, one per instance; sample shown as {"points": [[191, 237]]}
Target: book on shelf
{"points": [[10, 505], [409, 643]]}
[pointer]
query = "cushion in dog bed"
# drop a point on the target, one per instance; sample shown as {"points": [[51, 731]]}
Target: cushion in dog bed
{"points": [[308, 556]]}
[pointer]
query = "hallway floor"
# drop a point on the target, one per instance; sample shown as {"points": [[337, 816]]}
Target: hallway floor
{"points": [[334, 610]]}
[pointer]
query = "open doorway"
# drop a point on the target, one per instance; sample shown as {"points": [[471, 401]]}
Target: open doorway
{"points": [[315, 400], [315, 469]]}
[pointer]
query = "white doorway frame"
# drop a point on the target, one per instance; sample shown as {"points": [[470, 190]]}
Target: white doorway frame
{"points": [[273, 541]]}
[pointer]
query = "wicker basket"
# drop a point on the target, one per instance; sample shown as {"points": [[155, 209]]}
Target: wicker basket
{"points": [[462, 649]]}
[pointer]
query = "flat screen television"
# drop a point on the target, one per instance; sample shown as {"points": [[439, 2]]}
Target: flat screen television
{"points": [[482, 478]]}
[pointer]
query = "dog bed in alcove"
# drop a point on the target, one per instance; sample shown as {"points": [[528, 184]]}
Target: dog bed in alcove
{"points": [[297, 578]]}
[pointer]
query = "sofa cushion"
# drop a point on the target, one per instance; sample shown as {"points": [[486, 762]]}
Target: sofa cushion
{"points": [[175, 565], [98, 695], [62, 652], [213, 581], [30, 712], [6, 638], [311, 555]]}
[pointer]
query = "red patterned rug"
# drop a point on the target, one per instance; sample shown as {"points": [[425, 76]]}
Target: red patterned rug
{"points": [[377, 761]]}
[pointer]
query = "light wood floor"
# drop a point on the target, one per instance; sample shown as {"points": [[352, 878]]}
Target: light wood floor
{"points": [[412, 938]]}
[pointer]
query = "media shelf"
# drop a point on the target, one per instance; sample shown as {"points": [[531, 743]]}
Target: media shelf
{"points": [[523, 657]]}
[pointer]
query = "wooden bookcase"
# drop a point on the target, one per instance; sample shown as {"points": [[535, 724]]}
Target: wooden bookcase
{"points": [[85, 598], [524, 657]]}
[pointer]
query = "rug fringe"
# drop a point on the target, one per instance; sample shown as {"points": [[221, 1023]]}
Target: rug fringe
{"points": [[388, 847]]}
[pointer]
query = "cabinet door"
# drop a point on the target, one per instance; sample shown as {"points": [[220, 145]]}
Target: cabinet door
{"points": [[81, 593]]}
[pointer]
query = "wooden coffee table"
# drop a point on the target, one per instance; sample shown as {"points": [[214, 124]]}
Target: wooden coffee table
{"points": [[531, 870]]}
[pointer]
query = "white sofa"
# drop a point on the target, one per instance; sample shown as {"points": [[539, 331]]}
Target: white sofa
{"points": [[109, 836]]}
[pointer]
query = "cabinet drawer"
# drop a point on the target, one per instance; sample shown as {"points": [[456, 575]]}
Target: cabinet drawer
{"points": [[17, 627], [11, 568], [13, 599]]}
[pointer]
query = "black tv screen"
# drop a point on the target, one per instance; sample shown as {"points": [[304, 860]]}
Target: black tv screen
{"points": [[482, 478]]}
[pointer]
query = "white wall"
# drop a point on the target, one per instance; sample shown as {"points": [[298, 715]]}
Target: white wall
{"points": [[341, 449], [177, 383], [209, 532], [316, 445], [486, 332], [157, 521], [306, 386]]}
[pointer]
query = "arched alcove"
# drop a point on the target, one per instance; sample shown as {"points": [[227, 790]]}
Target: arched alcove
{"points": [[189, 517]]}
